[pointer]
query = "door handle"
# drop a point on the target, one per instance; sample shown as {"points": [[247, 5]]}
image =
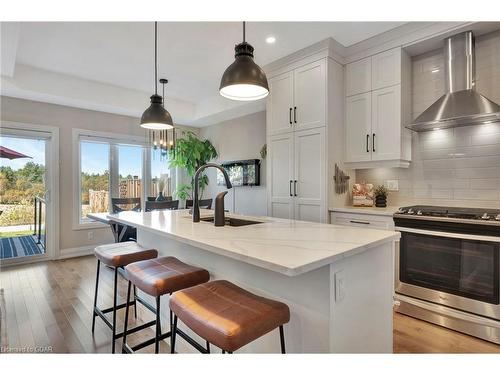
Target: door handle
{"points": [[295, 114], [373, 142], [367, 141], [290, 116], [291, 186], [295, 187]]}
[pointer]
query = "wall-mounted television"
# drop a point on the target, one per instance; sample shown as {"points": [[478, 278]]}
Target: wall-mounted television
{"points": [[241, 172]]}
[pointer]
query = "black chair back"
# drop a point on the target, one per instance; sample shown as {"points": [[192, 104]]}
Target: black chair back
{"points": [[204, 203], [125, 204], [162, 205], [153, 199]]}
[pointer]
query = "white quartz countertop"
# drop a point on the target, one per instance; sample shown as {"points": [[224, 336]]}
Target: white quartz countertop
{"points": [[289, 247], [383, 211]]}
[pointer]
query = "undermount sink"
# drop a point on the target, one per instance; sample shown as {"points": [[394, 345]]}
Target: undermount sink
{"points": [[232, 222]]}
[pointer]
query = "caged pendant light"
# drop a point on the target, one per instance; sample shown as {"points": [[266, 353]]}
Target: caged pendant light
{"points": [[163, 140], [156, 117], [244, 80]]}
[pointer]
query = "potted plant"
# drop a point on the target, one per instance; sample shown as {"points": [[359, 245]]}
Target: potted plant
{"points": [[191, 153], [381, 196]]}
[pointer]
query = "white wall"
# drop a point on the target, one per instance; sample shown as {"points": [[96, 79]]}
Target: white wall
{"points": [[459, 166], [238, 139]]}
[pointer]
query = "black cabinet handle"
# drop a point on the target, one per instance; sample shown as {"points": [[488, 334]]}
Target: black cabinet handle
{"points": [[290, 116], [359, 222], [373, 142], [291, 186], [295, 187], [367, 141], [295, 114]]}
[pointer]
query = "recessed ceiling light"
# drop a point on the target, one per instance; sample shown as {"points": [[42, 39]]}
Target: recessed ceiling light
{"points": [[270, 39], [435, 70]]}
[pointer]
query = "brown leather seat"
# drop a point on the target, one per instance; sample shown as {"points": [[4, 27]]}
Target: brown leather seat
{"points": [[123, 253], [226, 315], [164, 275]]}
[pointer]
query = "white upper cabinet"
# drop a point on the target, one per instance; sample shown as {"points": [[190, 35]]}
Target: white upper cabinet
{"points": [[386, 123], [386, 69], [297, 99], [374, 121], [310, 96], [280, 104], [358, 113], [359, 77]]}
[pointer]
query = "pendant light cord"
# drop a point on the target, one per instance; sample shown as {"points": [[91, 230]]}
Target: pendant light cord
{"points": [[244, 31], [156, 58]]}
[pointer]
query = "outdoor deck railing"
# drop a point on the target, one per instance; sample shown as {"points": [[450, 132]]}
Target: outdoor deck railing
{"points": [[41, 240]]}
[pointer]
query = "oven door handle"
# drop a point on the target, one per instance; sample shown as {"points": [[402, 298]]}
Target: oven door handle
{"points": [[462, 236]]}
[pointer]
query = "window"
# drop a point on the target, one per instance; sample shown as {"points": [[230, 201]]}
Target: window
{"points": [[107, 167]]}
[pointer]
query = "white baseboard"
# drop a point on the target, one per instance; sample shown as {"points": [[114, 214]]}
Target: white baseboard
{"points": [[74, 252]]}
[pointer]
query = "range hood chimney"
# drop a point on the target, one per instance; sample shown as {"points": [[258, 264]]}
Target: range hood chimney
{"points": [[461, 105]]}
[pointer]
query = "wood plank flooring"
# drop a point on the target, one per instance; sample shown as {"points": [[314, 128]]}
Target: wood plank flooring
{"points": [[49, 304]]}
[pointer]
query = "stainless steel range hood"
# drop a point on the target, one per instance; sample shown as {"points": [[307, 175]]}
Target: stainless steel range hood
{"points": [[461, 105]]}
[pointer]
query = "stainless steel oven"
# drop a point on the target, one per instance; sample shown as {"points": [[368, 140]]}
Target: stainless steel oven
{"points": [[448, 268]]}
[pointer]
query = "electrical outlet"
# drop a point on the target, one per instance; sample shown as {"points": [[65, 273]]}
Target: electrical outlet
{"points": [[90, 235], [339, 280], [392, 185]]}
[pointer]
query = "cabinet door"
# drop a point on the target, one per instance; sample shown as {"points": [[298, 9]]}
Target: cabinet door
{"points": [[280, 104], [310, 96], [358, 127], [359, 77], [386, 123], [310, 174], [280, 175], [386, 69]]}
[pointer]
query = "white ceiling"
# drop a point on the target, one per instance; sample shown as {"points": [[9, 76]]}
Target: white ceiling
{"points": [[192, 55]]}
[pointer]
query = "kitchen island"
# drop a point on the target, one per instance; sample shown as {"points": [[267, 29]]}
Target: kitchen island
{"points": [[337, 280]]}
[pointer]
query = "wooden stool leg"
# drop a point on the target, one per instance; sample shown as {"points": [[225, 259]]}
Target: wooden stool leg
{"points": [[282, 340], [172, 335], [94, 314], [115, 295], [126, 318], [158, 326]]}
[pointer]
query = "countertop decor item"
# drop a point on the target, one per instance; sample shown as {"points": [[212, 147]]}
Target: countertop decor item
{"points": [[244, 80], [341, 180], [362, 195], [161, 187], [156, 117], [381, 196]]}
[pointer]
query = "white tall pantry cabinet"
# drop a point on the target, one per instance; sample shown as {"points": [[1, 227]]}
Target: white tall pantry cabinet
{"points": [[304, 135]]}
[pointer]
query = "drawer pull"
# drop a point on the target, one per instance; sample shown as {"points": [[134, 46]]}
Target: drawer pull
{"points": [[359, 222]]}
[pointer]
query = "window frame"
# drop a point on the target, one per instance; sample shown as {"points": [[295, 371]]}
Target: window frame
{"points": [[113, 140]]}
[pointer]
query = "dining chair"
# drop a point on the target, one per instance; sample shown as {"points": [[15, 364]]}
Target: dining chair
{"points": [[162, 205]]}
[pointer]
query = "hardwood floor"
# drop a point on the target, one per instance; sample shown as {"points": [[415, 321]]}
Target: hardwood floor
{"points": [[49, 304]]}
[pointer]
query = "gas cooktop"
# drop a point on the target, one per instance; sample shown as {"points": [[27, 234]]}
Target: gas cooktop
{"points": [[453, 213]]}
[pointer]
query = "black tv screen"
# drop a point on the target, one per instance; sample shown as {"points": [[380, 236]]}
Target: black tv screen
{"points": [[241, 173]]}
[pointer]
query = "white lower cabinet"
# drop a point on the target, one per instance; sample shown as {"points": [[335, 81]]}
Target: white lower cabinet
{"points": [[296, 174]]}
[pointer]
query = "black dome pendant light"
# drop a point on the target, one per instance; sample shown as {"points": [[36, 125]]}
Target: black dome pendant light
{"points": [[156, 117], [244, 79]]}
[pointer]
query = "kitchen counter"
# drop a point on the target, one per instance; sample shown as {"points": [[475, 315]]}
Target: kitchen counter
{"points": [[383, 211], [336, 280], [290, 247]]}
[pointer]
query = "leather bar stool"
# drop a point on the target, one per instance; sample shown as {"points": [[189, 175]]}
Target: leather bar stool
{"points": [[116, 256], [226, 315], [157, 277]]}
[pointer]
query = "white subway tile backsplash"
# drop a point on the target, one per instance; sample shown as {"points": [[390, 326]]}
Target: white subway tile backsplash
{"points": [[459, 166]]}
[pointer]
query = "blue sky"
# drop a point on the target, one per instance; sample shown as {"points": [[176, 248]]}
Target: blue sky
{"points": [[30, 147]]}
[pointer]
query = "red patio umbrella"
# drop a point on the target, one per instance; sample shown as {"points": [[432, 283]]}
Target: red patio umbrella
{"points": [[7, 153]]}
